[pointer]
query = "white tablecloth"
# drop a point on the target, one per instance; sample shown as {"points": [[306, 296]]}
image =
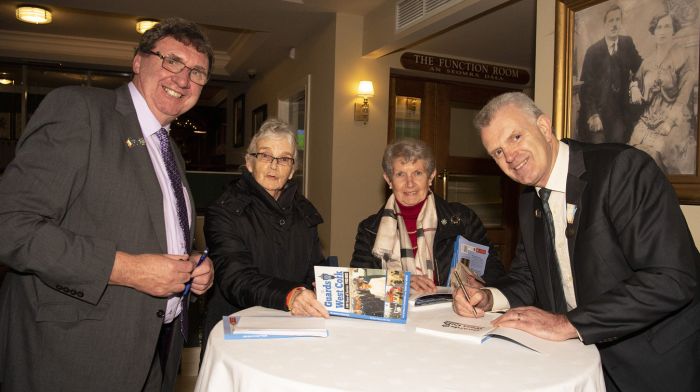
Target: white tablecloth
{"points": [[362, 355]]}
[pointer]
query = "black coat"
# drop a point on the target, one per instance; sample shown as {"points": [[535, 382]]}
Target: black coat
{"points": [[261, 247], [454, 219]]}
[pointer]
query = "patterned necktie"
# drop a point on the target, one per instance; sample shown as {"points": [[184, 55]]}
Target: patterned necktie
{"points": [[557, 285], [613, 48], [176, 184]]}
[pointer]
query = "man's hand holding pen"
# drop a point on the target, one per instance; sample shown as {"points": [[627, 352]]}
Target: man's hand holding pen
{"points": [[203, 274], [479, 302]]}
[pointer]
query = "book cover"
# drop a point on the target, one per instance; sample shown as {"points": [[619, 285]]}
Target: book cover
{"points": [[273, 327], [479, 330], [468, 258], [373, 294]]}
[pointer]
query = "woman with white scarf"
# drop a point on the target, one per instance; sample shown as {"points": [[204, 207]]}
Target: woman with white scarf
{"points": [[415, 230]]}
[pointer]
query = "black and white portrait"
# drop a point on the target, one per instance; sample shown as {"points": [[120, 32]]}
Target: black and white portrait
{"points": [[635, 78]]}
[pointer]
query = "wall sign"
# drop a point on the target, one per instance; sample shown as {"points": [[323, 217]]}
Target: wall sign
{"points": [[464, 68]]}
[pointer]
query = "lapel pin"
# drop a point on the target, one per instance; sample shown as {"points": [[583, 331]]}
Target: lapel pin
{"points": [[131, 142], [443, 221], [538, 213], [455, 220]]}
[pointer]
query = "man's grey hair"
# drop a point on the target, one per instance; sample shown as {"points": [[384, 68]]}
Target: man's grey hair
{"points": [[517, 99], [410, 150], [274, 128]]}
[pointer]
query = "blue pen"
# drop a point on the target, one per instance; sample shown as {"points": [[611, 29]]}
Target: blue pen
{"points": [[189, 284]]}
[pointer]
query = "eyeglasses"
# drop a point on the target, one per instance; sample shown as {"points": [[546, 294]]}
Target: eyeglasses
{"points": [[282, 161], [174, 65]]}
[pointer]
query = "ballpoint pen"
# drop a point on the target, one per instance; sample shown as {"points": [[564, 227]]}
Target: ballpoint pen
{"points": [[199, 262], [464, 290]]}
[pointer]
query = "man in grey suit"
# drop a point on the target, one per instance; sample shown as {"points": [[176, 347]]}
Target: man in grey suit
{"points": [[605, 254], [96, 226]]}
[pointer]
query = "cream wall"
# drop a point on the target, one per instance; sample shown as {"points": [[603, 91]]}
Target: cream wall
{"points": [[544, 87]]}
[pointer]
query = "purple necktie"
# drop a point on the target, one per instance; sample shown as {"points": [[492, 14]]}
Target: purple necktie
{"points": [[176, 184]]}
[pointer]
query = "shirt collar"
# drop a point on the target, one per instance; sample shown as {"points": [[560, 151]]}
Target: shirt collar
{"points": [[609, 42], [557, 178], [148, 122]]}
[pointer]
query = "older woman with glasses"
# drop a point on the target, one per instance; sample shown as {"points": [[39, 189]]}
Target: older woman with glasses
{"points": [[262, 234], [415, 230]]}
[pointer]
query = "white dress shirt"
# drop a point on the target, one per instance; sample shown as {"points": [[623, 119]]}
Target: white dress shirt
{"points": [[175, 237], [557, 203]]}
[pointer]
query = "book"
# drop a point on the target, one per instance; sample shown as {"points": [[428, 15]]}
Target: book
{"points": [[468, 258], [372, 294], [441, 298], [479, 330], [273, 327]]}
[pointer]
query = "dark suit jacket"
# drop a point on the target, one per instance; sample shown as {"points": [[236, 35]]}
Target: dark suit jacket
{"points": [[74, 195], [634, 264], [605, 89]]}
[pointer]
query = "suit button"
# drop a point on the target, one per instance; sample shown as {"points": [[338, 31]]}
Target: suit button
{"points": [[282, 222], [73, 292], [59, 287], [80, 294], [160, 313]]}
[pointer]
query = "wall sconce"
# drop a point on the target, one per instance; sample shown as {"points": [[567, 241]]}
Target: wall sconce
{"points": [[33, 14], [143, 25], [365, 90]]}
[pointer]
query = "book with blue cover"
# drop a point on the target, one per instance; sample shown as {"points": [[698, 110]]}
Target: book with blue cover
{"points": [[273, 327], [468, 258], [372, 294]]}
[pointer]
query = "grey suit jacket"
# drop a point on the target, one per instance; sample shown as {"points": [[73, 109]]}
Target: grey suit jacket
{"points": [[635, 269], [74, 195]]}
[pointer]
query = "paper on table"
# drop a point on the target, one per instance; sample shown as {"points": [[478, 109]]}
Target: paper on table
{"points": [[480, 329]]}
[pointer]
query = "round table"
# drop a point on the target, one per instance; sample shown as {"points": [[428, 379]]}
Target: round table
{"points": [[362, 355]]}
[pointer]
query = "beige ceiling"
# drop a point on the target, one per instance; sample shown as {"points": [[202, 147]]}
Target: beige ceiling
{"points": [[256, 34]]}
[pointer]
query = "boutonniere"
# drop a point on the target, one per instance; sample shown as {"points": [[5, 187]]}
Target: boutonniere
{"points": [[570, 213], [131, 142]]}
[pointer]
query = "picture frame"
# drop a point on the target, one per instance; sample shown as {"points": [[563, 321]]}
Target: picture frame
{"points": [[239, 121], [259, 116], [581, 24]]}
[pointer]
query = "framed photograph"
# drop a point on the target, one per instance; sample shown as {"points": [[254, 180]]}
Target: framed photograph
{"points": [[238, 121], [626, 71], [259, 116]]}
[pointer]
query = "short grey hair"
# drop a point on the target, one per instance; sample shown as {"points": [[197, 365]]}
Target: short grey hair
{"points": [[410, 150], [274, 128], [517, 99]]}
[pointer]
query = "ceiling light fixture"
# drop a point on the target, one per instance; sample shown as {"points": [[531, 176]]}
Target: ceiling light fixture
{"points": [[5, 81], [143, 25], [33, 14]]}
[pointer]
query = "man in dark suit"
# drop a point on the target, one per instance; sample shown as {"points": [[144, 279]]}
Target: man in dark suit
{"points": [[621, 268], [609, 65], [96, 226]]}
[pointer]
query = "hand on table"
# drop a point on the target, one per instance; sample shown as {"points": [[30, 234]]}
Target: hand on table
{"points": [[304, 303], [479, 300], [538, 322], [422, 284]]}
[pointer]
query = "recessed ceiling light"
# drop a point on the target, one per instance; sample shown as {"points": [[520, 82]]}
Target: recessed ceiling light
{"points": [[33, 14], [6, 81], [143, 25]]}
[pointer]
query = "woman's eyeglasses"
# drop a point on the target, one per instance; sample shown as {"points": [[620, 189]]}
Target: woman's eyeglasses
{"points": [[282, 161]]}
